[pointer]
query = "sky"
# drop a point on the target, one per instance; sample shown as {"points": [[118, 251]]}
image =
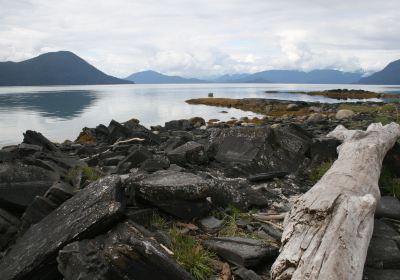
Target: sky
{"points": [[194, 38]]}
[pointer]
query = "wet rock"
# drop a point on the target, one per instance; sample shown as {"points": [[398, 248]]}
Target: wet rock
{"points": [[210, 224], [89, 213], [242, 251], [36, 138], [190, 152], [8, 228], [388, 207], [178, 125], [178, 193], [344, 114], [246, 274], [122, 253], [20, 183]]}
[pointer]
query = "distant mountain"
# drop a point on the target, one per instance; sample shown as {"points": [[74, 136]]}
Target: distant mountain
{"points": [[54, 68], [299, 77], [153, 77], [228, 78], [390, 75]]}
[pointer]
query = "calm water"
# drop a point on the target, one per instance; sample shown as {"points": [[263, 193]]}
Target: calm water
{"points": [[60, 112]]}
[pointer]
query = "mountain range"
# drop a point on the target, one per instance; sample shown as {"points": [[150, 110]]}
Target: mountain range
{"points": [[54, 68], [66, 68]]}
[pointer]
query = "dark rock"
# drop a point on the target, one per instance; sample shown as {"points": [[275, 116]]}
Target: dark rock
{"points": [[89, 213], [123, 253], [113, 160], [324, 149], [383, 253], [384, 230], [59, 193], [271, 231], [197, 122], [267, 176], [28, 149], [20, 183], [117, 131], [6, 156], [36, 211], [8, 228], [155, 164], [178, 125], [210, 224], [246, 274], [36, 138], [177, 193], [190, 152], [236, 192], [379, 274], [242, 251], [388, 207], [141, 216], [134, 159]]}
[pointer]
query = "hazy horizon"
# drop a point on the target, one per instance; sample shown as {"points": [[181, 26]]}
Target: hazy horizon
{"points": [[208, 38]]}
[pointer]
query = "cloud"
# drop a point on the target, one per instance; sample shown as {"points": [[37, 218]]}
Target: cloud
{"points": [[205, 38]]}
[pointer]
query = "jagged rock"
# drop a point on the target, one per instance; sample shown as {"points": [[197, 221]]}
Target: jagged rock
{"points": [[8, 228], [36, 138], [89, 213], [242, 251], [134, 159], [6, 156], [36, 211], [267, 176], [246, 274], [178, 125], [344, 114], [379, 274], [20, 183], [388, 207], [155, 164], [177, 193], [236, 192], [324, 149], [28, 149], [271, 231], [113, 160], [210, 224], [123, 253], [59, 192], [252, 150], [190, 152]]}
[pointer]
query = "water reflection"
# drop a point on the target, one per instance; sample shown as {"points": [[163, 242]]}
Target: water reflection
{"points": [[65, 104]]}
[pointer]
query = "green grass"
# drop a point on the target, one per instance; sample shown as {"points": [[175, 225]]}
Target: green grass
{"points": [[320, 170], [358, 108], [230, 226], [382, 119], [89, 173], [191, 255], [158, 221], [389, 183]]}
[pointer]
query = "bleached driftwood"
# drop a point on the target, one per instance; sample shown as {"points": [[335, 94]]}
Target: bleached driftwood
{"points": [[328, 229]]}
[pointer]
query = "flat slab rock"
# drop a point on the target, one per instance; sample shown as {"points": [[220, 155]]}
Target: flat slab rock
{"points": [[242, 251], [20, 183], [122, 253], [89, 213]]}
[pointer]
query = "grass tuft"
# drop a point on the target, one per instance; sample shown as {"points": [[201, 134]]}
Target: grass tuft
{"points": [[89, 173], [320, 170], [389, 183], [158, 221], [191, 255]]}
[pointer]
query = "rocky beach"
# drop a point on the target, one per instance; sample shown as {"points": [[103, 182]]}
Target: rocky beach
{"points": [[193, 199]]}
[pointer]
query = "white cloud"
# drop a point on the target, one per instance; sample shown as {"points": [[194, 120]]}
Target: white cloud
{"points": [[203, 38]]}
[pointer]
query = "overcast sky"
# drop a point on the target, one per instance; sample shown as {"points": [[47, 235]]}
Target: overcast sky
{"points": [[205, 37]]}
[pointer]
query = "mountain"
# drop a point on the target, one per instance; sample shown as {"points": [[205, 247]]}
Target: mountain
{"points": [[153, 77], [390, 75], [300, 77], [228, 78], [54, 68]]}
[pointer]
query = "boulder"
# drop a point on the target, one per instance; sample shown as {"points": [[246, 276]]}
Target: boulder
{"points": [[210, 224], [344, 114], [36, 211], [178, 125], [246, 274], [379, 274], [267, 176], [242, 251], [154, 164], [59, 192], [324, 149], [28, 149], [292, 107], [316, 117], [20, 183], [89, 213], [122, 253], [388, 207], [8, 228], [178, 193], [197, 122], [36, 138], [134, 159], [383, 253], [190, 152]]}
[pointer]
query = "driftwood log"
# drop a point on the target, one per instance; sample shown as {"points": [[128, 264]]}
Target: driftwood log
{"points": [[328, 230]]}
